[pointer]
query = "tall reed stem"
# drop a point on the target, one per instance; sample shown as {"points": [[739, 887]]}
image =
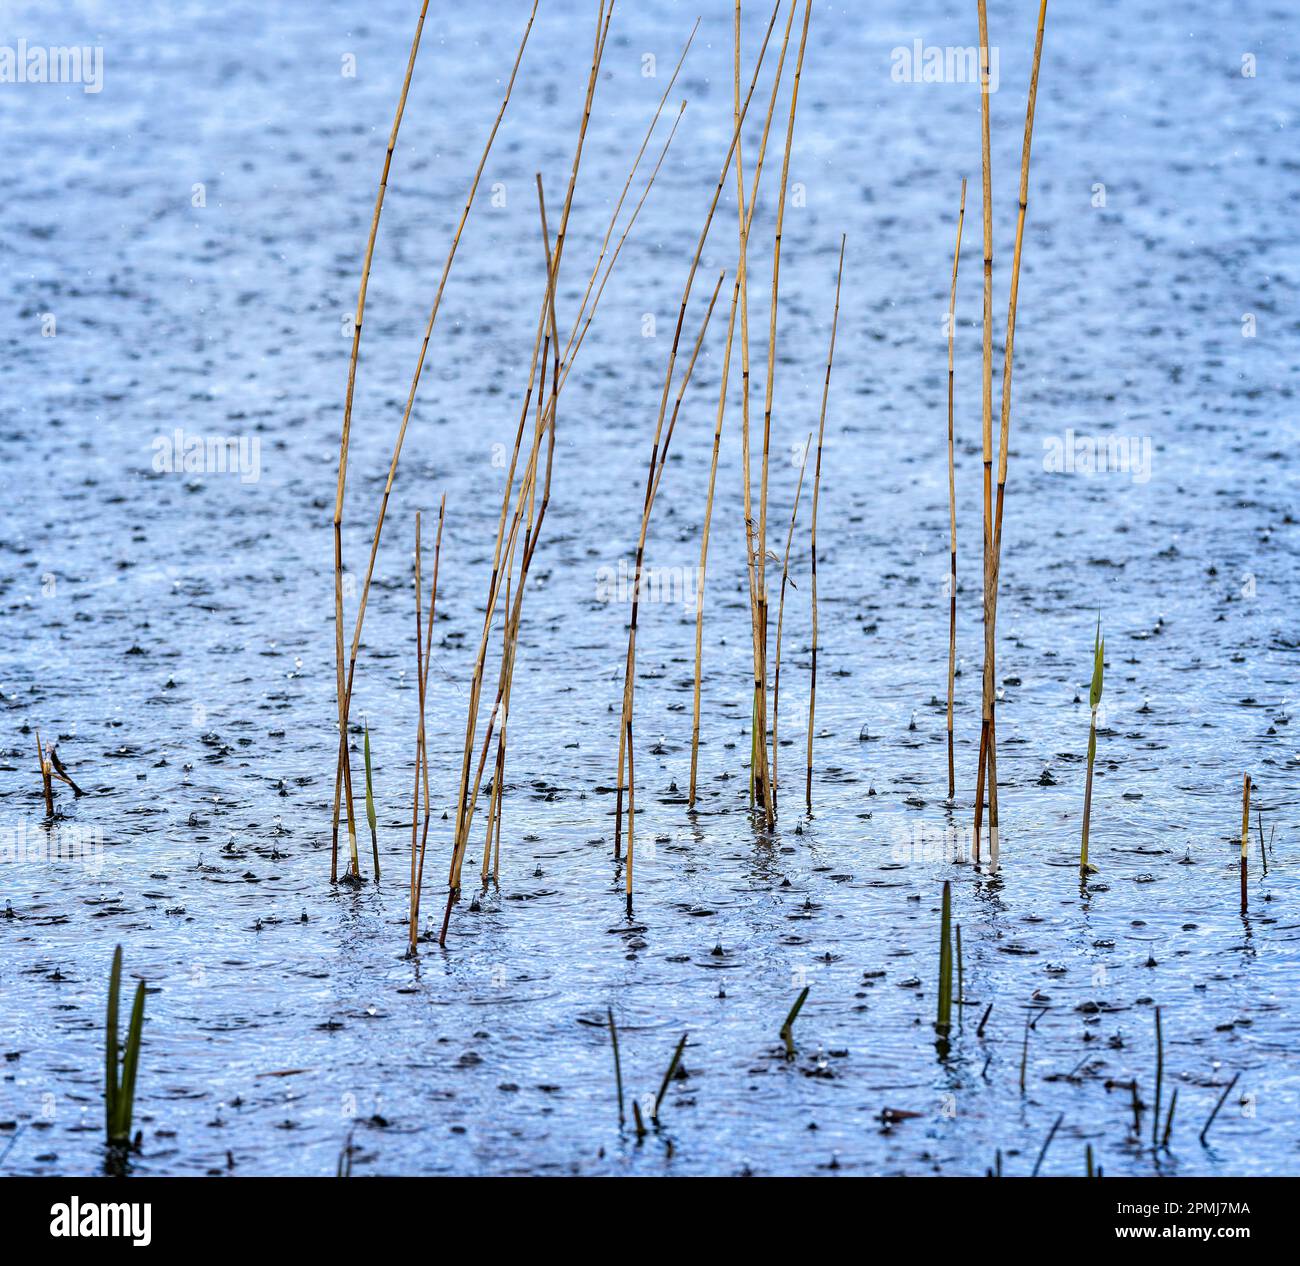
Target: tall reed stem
{"points": [[952, 493], [625, 755], [343, 447], [780, 614], [746, 220], [986, 415], [817, 487], [761, 763], [995, 547], [423, 658], [1245, 836]]}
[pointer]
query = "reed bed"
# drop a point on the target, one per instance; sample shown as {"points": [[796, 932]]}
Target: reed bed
{"points": [[952, 493], [529, 507], [343, 775], [653, 475], [745, 211], [993, 528], [812, 549], [756, 533]]}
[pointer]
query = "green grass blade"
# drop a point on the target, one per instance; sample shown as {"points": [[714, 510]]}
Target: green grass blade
{"points": [[370, 786], [668, 1076], [110, 1046], [130, 1062], [1098, 666], [943, 1020]]}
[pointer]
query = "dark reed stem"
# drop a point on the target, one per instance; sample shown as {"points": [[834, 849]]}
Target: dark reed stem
{"points": [[1223, 1098], [1047, 1142]]}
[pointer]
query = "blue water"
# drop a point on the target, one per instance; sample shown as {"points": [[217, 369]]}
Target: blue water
{"points": [[173, 632]]}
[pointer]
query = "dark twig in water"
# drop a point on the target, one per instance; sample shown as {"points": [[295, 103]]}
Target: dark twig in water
{"points": [[1245, 836], [1160, 1077], [1169, 1120], [1223, 1098], [1047, 1142], [668, 1076], [618, 1067]]}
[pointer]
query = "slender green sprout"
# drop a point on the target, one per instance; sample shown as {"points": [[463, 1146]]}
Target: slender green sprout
{"points": [[961, 989], [1169, 1120], [119, 1083], [668, 1076], [1094, 699], [1047, 1142], [1160, 1077], [787, 1029], [370, 804], [1024, 1052], [943, 1021], [618, 1067]]}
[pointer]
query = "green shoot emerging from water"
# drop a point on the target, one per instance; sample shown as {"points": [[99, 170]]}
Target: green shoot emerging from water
{"points": [[787, 1029], [1094, 700], [943, 1021], [370, 805], [119, 1078]]}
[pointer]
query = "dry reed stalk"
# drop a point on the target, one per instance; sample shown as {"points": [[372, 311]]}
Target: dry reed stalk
{"points": [[420, 761], [510, 631], [423, 656], [746, 220], [780, 614], [347, 429], [525, 505], [758, 751], [952, 494], [995, 563], [544, 429], [760, 614], [343, 775], [1245, 835], [817, 486], [987, 414], [47, 779], [658, 463], [625, 720]]}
